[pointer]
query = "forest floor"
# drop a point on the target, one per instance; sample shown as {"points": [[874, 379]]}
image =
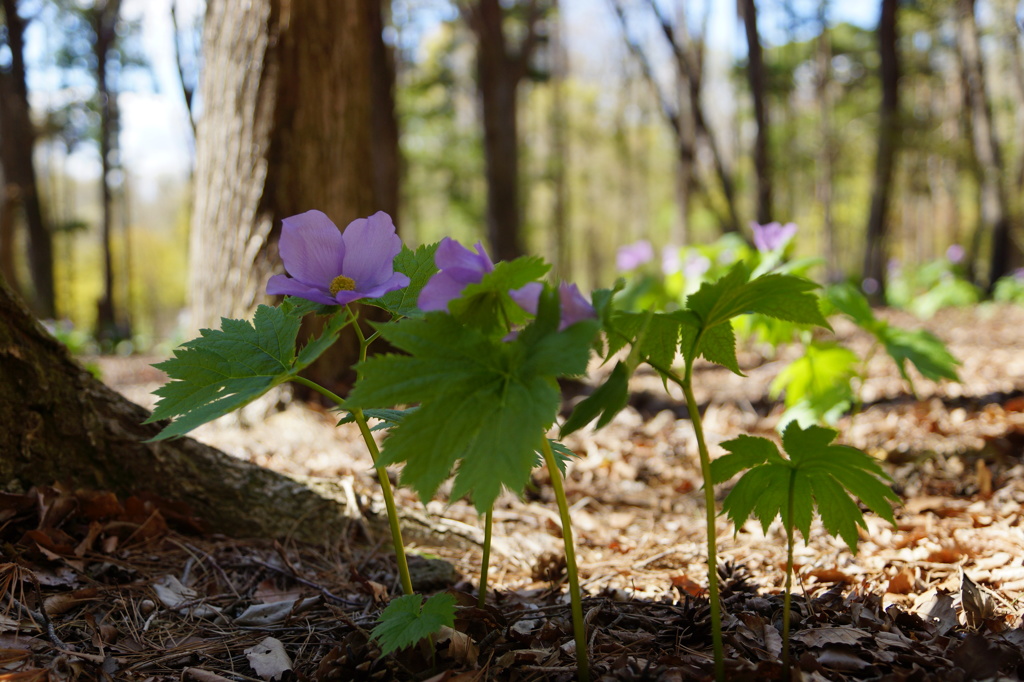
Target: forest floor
{"points": [[119, 590]]}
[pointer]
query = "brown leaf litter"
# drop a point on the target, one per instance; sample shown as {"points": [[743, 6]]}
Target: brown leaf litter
{"points": [[96, 588]]}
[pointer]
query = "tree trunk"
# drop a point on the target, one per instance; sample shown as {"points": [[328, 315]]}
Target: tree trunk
{"points": [[7, 269], [756, 79], [293, 120], [59, 423], [559, 164], [825, 176], [17, 142], [499, 72], [105, 19], [690, 65], [888, 141], [995, 210]]}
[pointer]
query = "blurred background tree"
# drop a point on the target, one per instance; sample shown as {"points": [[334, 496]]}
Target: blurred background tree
{"points": [[566, 128]]}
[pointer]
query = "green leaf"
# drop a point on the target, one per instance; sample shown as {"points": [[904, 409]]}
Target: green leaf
{"points": [[294, 306], [407, 620], [419, 266], [820, 379], [818, 473], [225, 369], [784, 297], [848, 300], [605, 402], [388, 418], [922, 349], [563, 455], [659, 339], [487, 305], [706, 329], [484, 403], [745, 452]]}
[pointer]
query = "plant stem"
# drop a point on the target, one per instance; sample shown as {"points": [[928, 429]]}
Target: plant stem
{"points": [[787, 598], [486, 561], [578, 626], [382, 476], [389, 502], [709, 504]]}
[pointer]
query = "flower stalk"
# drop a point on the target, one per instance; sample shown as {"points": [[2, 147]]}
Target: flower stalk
{"points": [[485, 562], [578, 624]]}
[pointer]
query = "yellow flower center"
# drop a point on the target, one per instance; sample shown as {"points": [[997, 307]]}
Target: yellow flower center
{"points": [[342, 283]]}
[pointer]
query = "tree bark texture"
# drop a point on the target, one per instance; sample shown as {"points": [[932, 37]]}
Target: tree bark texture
{"points": [[995, 211], [756, 80], [288, 126], [59, 423], [17, 142], [296, 117], [888, 143]]}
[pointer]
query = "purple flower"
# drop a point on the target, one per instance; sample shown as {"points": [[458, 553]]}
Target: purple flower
{"points": [[335, 268], [696, 266], [955, 254], [772, 236], [670, 261], [632, 256], [459, 267], [574, 308]]}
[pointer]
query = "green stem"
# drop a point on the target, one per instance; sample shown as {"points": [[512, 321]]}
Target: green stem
{"points": [[709, 504], [382, 473], [578, 626], [389, 502], [787, 598], [486, 561]]}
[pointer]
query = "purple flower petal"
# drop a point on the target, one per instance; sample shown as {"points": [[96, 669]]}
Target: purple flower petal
{"points": [[459, 267], [283, 285], [311, 248], [439, 291], [370, 249], [772, 236], [575, 308], [632, 256], [397, 280], [527, 296]]}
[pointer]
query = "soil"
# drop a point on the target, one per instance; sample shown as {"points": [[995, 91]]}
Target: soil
{"points": [[96, 588]]}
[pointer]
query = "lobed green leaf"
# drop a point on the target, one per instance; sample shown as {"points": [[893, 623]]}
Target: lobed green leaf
{"points": [[225, 369], [816, 473], [484, 403], [408, 619], [419, 266]]}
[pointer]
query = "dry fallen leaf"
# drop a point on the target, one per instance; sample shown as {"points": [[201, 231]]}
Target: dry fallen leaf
{"points": [[269, 659], [976, 605], [275, 612]]}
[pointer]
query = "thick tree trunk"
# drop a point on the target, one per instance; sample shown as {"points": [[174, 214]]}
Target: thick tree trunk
{"points": [[756, 79], [292, 121], [888, 142], [17, 142], [59, 423]]}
